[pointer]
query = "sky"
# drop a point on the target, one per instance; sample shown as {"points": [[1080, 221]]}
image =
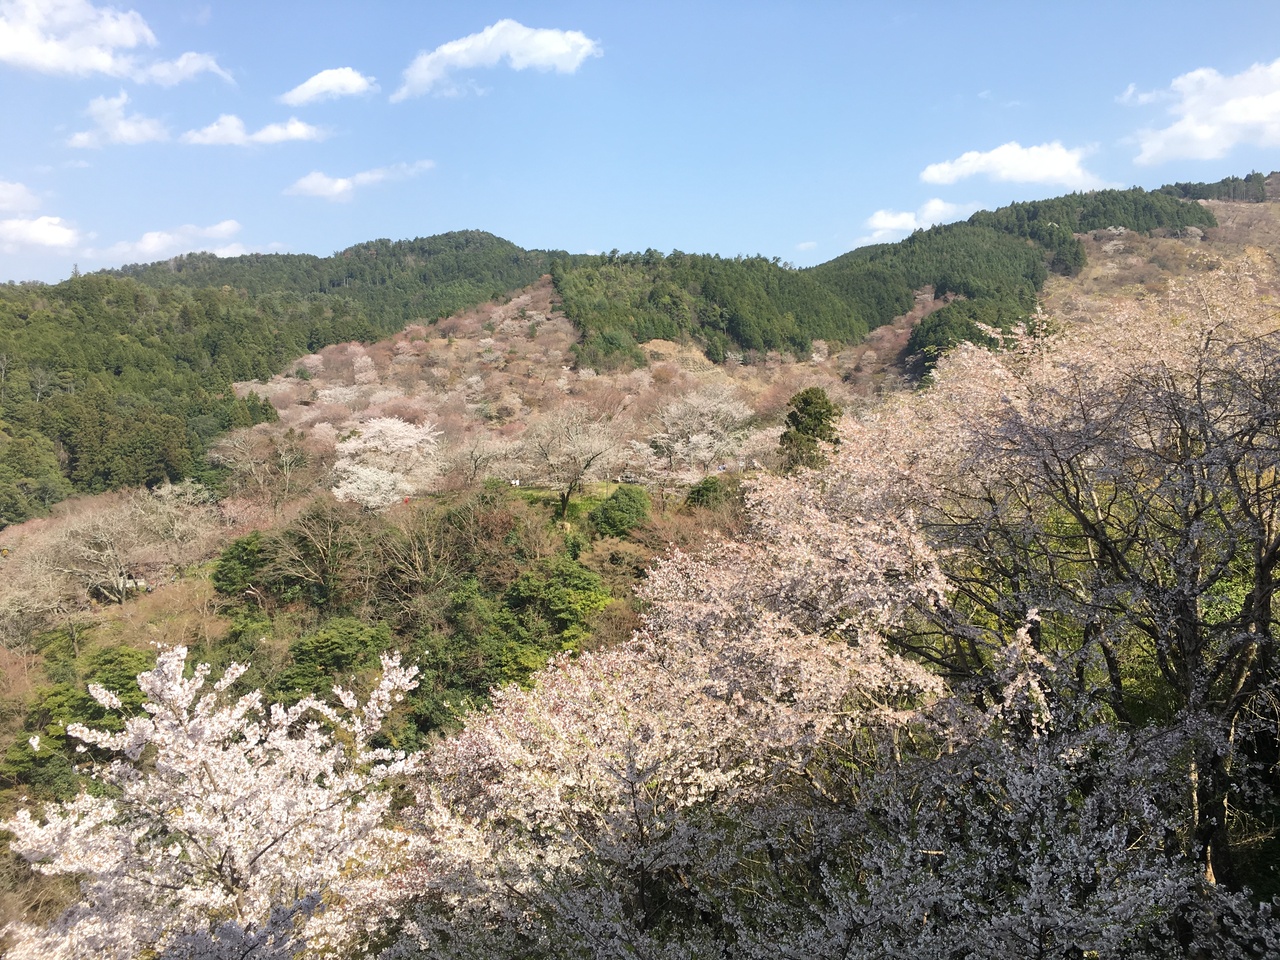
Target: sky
{"points": [[799, 130]]}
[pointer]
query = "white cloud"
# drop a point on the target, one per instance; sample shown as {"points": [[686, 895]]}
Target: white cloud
{"points": [[522, 47], [807, 245], [229, 130], [40, 232], [886, 225], [317, 184], [1132, 95], [892, 221], [189, 65], [1047, 163], [111, 125], [75, 38], [160, 244], [1214, 114], [329, 85], [940, 211], [16, 198]]}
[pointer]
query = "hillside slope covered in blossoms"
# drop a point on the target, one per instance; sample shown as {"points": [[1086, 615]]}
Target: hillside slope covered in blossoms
{"points": [[998, 680]]}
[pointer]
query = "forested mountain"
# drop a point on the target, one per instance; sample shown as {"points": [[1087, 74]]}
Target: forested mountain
{"points": [[1253, 188], [391, 282], [996, 261], [123, 377]]}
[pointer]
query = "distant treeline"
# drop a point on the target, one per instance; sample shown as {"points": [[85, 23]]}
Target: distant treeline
{"points": [[1250, 189], [996, 261], [390, 282]]}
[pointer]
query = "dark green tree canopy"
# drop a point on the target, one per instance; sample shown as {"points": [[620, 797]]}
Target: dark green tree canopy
{"points": [[811, 421]]}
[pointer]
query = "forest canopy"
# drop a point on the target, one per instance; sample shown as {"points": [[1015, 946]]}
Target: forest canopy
{"points": [[125, 377]]}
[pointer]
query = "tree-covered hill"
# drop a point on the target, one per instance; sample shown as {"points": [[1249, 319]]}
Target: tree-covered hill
{"points": [[1254, 188], [997, 262], [392, 282], [743, 303], [107, 383], [123, 377]]}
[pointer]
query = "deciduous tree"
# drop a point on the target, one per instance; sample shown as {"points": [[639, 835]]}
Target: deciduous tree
{"points": [[231, 828]]}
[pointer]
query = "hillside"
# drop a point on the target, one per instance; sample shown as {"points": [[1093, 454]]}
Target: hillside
{"points": [[169, 338], [981, 599], [389, 282]]}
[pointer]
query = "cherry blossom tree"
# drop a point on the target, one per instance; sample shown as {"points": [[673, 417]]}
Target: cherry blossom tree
{"points": [[569, 446], [1120, 481], [386, 460], [694, 431], [621, 807], [227, 827]]}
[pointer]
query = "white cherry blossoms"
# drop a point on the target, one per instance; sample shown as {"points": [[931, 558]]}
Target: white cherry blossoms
{"points": [[228, 827]]}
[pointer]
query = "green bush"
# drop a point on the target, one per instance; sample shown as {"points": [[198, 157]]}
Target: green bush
{"points": [[624, 510], [709, 492]]}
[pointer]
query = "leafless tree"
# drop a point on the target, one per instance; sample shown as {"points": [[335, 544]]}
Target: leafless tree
{"points": [[568, 447]]}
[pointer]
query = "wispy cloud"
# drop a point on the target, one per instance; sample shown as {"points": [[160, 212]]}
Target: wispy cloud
{"points": [[229, 130], [520, 46], [1133, 96], [159, 244], [990, 98], [807, 245], [317, 184], [1215, 114], [167, 73], [329, 85], [112, 125], [48, 232], [888, 225], [1051, 164], [17, 198], [75, 38]]}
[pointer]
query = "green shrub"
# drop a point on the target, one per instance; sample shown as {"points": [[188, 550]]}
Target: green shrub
{"points": [[624, 510], [709, 492]]}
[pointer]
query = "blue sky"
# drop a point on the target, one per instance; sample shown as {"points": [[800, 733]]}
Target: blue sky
{"points": [[798, 130]]}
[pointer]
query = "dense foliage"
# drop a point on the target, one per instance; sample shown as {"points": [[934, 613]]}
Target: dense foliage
{"points": [[477, 590], [1248, 189], [106, 383], [391, 283], [744, 303], [751, 304]]}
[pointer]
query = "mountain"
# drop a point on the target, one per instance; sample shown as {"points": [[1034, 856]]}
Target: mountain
{"points": [[390, 282], [124, 377]]}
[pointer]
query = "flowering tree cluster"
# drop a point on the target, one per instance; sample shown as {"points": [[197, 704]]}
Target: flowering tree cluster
{"points": [[1077, 543], [693, 432], [386, 460], [226, 828], [624, 805]]}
